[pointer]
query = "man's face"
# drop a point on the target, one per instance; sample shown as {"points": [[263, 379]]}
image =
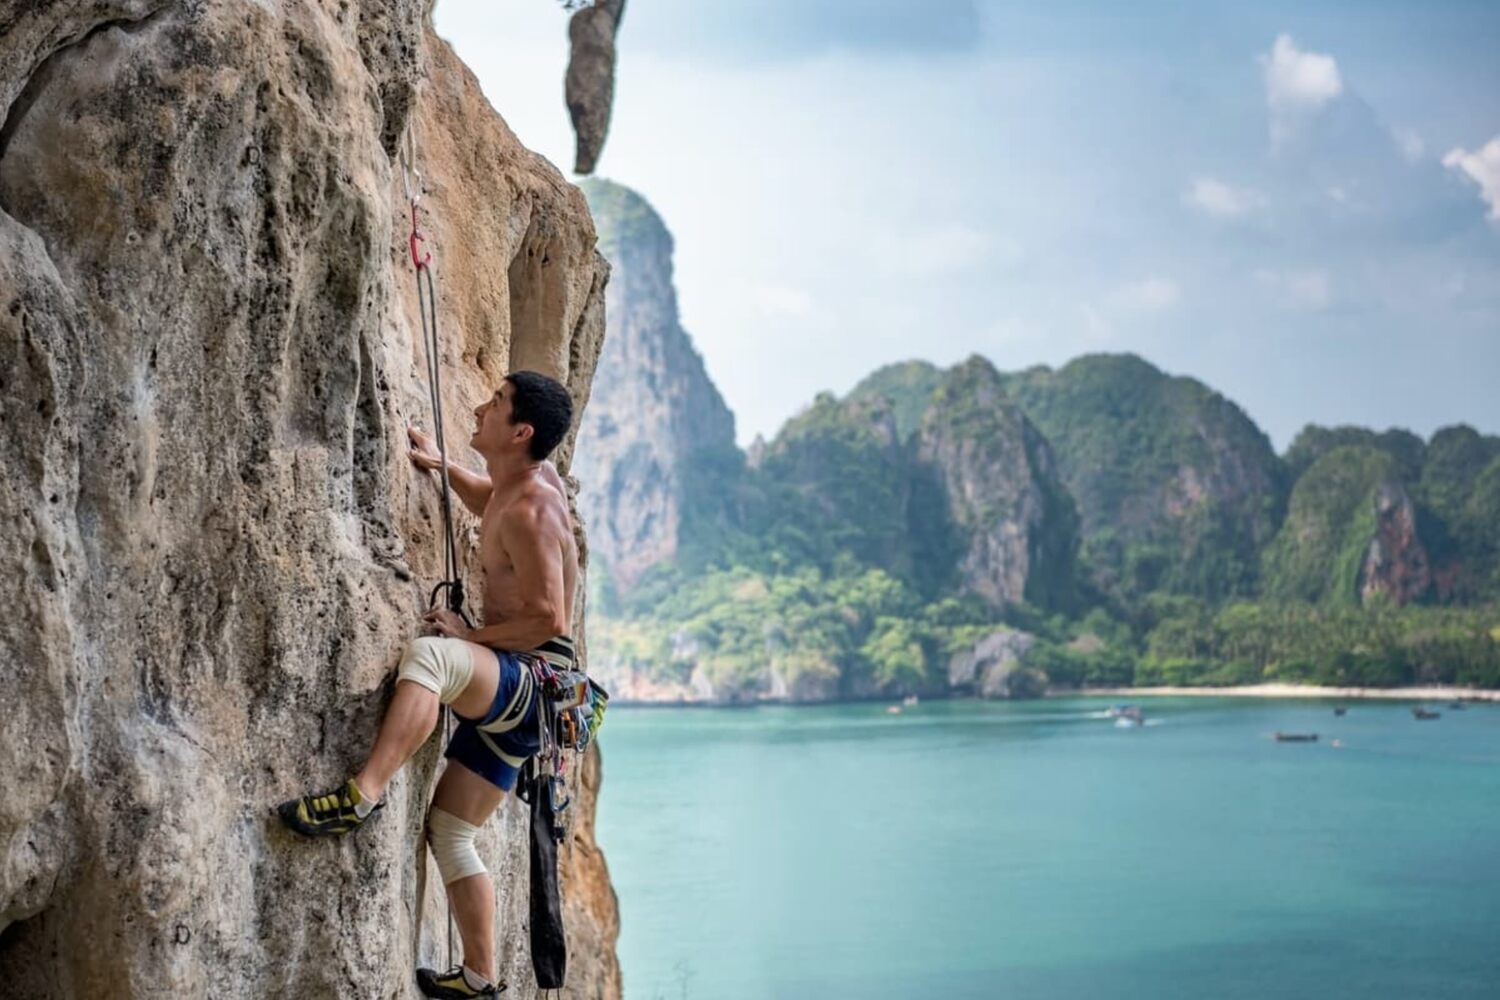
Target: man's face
{"points": [[493, 431]]}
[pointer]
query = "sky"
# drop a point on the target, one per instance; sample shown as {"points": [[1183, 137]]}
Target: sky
{"points": [[1296, 202]]}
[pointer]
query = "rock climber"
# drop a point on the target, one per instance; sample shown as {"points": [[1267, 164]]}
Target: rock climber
{"points": [[530, 561]]}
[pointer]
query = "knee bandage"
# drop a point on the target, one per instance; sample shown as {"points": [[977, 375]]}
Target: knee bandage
{"points": [[440, 664], [452, 842]]}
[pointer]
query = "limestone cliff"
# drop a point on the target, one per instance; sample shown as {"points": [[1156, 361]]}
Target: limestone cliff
{"points": [[1002, 491], [214, 547], [1177, 489], [1350, 533], [656, 446], [1395, 563], [1459, 492]]}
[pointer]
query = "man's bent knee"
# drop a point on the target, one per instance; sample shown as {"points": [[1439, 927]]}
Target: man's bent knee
{"points": [[440, 664], [452, 841]]}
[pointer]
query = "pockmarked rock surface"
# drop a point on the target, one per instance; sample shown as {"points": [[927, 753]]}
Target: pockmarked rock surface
{"points": [[212, 546]]}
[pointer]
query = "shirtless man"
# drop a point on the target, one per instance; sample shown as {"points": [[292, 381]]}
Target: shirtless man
{"points": [[530, 561]]}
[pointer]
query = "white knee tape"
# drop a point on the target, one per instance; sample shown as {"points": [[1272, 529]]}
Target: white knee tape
{"points": [[452, 843], [440, 664]]}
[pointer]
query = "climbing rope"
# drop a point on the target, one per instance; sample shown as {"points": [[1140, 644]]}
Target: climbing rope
{"points": [[452, 584], [411, 180]]}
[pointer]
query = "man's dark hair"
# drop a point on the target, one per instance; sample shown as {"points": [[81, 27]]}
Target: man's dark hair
{"points": [[543, 403]]}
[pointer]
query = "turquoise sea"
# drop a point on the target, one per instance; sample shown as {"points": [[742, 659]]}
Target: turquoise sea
{"points": [[968, 850]]}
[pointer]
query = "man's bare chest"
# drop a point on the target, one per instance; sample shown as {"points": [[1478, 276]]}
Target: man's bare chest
{"points": [[495, 561]]}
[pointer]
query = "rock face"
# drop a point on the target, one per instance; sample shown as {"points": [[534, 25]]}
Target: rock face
{"points": [[590, 85], [1395, 562], [837, 479], [1017, 523], [992, 668], [1176, 487], [1350, 532], [969, 500], [1459, 494], [214, 548], [656, 447]]}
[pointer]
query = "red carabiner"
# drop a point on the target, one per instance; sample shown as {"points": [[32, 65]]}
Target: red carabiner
{"points": [[416, 237]]}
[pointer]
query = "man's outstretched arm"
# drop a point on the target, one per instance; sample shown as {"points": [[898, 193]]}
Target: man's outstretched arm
{"points": [[473, 488]]}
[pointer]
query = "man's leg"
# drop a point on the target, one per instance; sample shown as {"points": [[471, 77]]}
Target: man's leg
{"points": [[434, 671], [465, 795], [414, 709]]}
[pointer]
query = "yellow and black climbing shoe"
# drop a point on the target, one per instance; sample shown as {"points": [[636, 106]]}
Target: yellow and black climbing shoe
{"points": [[329, 814], [453, 985]]}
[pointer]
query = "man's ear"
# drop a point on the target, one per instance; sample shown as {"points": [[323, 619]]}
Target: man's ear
{"points": [[523, 432]]}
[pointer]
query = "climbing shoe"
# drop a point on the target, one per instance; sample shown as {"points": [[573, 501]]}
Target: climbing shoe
{"points": [[452, 985], [326, 815]]}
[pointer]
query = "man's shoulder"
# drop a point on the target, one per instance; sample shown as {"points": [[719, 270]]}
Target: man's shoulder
{"points": [[532, 505]]}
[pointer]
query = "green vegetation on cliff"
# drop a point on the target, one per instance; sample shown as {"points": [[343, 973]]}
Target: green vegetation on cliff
{"points": [[960, 528], [1330, 520], [1177, 487], [907, 387], [1459, 489], [621, 217]]}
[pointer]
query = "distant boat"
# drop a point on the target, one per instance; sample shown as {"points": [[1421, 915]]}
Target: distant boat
{"points": [[1296, 737], [1124, 712], [1457, 706], [893, 710], [1340, 710], [909, 700], [1421, 713]]}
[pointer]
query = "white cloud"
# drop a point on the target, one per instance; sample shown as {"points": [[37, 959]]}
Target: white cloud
{"points": [[1222, 200], [1410, 143], [1482, 167], [1309, 288], [781, 300], [1298, 84], [1151, 294], [1297, 79]]}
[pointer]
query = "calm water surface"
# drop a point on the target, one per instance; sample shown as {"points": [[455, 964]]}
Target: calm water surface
{"points": [[967, 850]]}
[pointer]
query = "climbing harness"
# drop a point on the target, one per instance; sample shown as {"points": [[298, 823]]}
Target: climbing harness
{"points": [[570, 710]]}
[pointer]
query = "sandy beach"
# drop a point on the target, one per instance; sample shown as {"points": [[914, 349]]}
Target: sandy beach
{"points": [[1293, 691]]}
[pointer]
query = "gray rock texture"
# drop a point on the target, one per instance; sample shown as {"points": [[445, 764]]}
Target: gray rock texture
{"points": [[212, 546], [590, 84], [1396, 563], [1017, 524], [656, 447], [993, 666]]}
